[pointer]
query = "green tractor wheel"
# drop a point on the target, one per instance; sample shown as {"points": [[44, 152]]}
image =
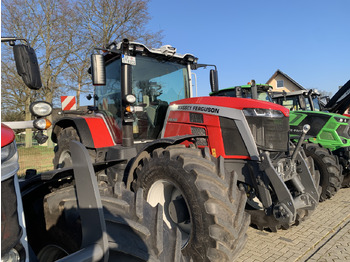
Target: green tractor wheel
{"points": [[330, 171]]}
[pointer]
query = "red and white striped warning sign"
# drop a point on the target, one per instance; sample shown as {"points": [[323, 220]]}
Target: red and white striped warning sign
{"points": [[68, 103]]}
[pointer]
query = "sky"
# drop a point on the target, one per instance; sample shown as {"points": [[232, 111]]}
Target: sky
{"points": [[309, 40]]}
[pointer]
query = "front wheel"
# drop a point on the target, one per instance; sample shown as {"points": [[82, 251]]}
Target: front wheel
{"points": [[330, 171], [199, 198]]}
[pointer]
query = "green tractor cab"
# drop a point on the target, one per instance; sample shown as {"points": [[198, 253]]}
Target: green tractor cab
{"points": [[259, 91]]}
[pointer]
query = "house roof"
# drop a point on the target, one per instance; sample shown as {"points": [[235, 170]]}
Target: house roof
{"points": [[286, 76]]}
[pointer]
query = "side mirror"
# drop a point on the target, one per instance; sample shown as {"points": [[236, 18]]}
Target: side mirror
{"points": [[214, 82], [254, 89], [238, 91], [302, 102], [98, 70], [27, 66]]}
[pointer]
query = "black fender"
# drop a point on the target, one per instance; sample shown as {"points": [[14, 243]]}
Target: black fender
{"points": [[149, 147], [79, 124]]}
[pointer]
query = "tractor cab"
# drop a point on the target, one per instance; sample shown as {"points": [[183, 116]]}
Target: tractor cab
{"points": [[307, 100], [138, 86]]}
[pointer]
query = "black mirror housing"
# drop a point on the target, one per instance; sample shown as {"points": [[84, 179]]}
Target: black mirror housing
{"points": [[27, 66], [214, 82], [98, 70], [302, 103]]}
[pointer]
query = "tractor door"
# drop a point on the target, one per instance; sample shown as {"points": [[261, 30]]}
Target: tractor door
{"points": [[155, 84]]}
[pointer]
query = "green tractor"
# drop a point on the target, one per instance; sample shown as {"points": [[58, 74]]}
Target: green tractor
{"points": [[328, 140]]}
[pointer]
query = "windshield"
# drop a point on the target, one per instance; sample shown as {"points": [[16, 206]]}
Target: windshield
{"points": [[154, 83], [264, 96], [316, 103], [293, 103]]}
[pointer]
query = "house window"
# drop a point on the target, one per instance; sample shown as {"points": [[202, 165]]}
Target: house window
{"points": [[280, 83]]}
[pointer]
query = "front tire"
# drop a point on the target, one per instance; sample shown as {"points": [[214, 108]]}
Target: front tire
{"points": [[199, 198], [330, 171]]}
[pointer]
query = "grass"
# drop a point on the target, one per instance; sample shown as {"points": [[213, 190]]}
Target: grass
{"points": [[36, 157]]}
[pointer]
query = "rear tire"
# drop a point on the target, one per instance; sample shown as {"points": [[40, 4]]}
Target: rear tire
{"points": [[330, 171], [51, 253], [136, 231], [214, 223], [62, 150]]}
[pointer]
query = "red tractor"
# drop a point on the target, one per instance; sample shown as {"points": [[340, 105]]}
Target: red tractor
{"points": [[133, 88], [214, 152]]}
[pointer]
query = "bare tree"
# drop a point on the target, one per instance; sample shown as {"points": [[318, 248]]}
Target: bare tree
{"points": [[105, 21], [102, 22], [325, 93]]}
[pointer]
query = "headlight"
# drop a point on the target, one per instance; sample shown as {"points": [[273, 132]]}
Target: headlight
{"points": [[40, 108], [130, 99], [341, 119], [9, 161], [11, 256], [262, 112], [41, 123]]}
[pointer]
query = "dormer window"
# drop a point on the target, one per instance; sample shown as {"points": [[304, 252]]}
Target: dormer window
{"points": [[280, 83]]}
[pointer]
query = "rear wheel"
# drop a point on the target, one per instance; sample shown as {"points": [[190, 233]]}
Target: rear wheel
{"points": [[63, 156], [52, 253], [199, 199], [136, 231], [330, 171]]}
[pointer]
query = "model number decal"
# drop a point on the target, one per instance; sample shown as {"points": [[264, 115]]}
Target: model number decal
{"points": [[200, 109]]}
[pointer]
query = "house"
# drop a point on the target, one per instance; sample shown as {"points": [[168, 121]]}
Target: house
{"points": [[282, 82]]}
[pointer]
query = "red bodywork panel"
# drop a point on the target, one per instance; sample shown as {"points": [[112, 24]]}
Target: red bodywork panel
{"points": [[7, 135], [348, 115], [99, 132], [179, 123], [212, 130]]}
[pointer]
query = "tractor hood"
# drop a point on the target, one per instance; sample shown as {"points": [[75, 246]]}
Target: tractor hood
{"points": [[340, 101]]}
